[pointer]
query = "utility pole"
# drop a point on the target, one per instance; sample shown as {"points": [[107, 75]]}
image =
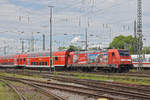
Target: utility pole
{"points": [[135, 32], [135, 37], [139, 32], [51, 52], [43, 42], [29, 45], [86, 40], [5, 48], [22, 42], [32, 43]]}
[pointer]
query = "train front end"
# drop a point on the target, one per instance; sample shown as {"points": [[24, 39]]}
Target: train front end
{"points": [[120, 60], [125, 60]]}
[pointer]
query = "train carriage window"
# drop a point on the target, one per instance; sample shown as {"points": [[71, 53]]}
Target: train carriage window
{"points": [[56, 58], [17, 59], [34, 63], [42, 63], [45, 63], [39, 63], [31, 63]]}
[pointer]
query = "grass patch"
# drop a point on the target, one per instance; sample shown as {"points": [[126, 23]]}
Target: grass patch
{"points": [[21, 76]]}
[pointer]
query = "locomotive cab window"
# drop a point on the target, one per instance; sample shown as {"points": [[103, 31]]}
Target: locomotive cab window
{"points": [[56, 58], [124, 52]]}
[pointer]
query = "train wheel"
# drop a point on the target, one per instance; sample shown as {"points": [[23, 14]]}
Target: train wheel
{"points": [[120, 70], [126, 70], [113, 70], [106, 70]]}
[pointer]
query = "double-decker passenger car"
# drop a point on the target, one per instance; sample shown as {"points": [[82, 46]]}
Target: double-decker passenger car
{"points": [[42, 59], [6, 61]]}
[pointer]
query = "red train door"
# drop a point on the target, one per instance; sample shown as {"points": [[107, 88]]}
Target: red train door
{"points": [[112, 57]]}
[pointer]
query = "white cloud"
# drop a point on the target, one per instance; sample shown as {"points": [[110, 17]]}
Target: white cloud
{"points": [[76, 39]]}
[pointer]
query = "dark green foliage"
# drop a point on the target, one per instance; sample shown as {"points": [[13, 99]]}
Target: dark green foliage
{"points": [[146, 50], [62, 48], [71, 48], [94, 48], [123, 42], [74, 48]]}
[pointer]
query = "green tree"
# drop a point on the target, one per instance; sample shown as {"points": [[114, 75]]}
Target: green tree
{"points": [[146, 50], [62, 48], [71, 47], [74, 48], [94, 48], [123, 42]]}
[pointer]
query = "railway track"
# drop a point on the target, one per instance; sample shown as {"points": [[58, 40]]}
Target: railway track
{"points": [[65, 73], [137, 91], [69, 88], [123, 90], [42, 90], [21, 96], [128, 77], [38, 88], [95, 90], [99, 84]]}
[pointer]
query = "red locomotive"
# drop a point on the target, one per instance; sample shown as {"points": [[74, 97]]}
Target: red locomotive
{"points": [[112, 60]]}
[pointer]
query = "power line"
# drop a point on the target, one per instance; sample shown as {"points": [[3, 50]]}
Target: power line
{"points": [[104, 9]]}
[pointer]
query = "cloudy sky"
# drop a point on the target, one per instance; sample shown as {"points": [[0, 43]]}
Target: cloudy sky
{"points": [[103, 19]]}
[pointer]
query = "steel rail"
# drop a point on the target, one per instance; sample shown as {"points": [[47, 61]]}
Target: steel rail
{"points": [[21, 97], [102, 89], [40, 89], [64, 88]]}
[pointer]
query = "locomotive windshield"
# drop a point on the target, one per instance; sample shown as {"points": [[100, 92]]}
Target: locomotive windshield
{"points": [[124, 52]]}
